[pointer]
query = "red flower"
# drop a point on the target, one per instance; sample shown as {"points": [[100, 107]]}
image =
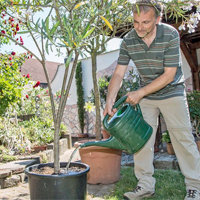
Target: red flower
{"points": [[27, 96], [3, 32], [10, 58], [37, 84], [28, 76], [13, 53]]}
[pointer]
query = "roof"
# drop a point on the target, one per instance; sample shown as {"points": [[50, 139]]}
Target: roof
{"points": [[34, 68]]}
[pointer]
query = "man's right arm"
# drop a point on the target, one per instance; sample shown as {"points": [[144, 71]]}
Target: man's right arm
{"points": [[113, 88]]}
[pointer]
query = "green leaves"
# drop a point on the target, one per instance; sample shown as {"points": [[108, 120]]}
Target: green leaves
{"points": [[69, 59], [11, 81], [89, 32]]}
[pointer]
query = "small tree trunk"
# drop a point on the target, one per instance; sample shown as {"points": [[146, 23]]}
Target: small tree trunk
{"points": [[97, 97]]}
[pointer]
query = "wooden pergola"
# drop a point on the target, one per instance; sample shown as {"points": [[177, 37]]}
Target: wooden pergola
{"points": [[189, 43]]}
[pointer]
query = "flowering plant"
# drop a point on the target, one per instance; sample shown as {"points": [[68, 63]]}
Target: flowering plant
{"points": [[13, 138], [193, 98], [11, 81]]}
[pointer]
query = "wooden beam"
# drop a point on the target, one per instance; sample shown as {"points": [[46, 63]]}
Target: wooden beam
{"points": [[194, 46], [196, 80], [188, 56]]}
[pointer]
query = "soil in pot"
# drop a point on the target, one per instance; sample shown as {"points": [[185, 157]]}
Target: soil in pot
{"points": [[50, 170]]}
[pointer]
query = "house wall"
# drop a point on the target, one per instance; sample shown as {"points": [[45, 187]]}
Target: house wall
{"points": [[105, 63]]}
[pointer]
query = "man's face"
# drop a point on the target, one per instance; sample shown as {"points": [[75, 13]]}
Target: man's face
{"points": [[145, 22]]}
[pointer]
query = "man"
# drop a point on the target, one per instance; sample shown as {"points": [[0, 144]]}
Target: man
{"points": [[154, 48]]}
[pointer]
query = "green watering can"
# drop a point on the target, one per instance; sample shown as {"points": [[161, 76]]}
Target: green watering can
{"points": [[128, 130]]}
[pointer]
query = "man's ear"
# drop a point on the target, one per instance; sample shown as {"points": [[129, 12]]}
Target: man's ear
{"points": [[158, 20]]}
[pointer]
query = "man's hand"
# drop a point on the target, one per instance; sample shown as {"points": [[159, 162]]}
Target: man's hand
{"points": [[134, 97], [108, 109]]}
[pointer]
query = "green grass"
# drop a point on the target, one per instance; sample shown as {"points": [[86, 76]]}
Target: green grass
{"points": [[169, 185]]}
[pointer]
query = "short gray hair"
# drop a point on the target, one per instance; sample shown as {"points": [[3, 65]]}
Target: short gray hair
{"points": [[146, 5]]}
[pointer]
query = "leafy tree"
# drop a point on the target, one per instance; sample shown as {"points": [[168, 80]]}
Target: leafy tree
{"points": [[62, 27]]}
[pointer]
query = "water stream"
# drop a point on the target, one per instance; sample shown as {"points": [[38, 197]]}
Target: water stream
{"points": [[70, 159]]}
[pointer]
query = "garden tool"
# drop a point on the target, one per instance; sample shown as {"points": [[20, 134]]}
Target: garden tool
{"points": [[128, 130]]}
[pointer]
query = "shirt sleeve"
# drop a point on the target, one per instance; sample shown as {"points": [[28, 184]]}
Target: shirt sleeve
{"points": [[172, 52], [124, 57]]}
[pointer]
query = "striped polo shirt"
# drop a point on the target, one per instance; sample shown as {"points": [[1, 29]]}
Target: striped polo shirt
{"points": [[150, 61]]}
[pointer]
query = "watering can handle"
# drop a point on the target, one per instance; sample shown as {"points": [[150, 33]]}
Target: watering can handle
{"points": [[120, 101]]}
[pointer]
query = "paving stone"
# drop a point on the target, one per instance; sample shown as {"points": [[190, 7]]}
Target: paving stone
{"points": [[164, 161], [5, 173], [11, 181], [17, 166]]}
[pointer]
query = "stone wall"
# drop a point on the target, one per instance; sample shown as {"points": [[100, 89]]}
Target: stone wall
{"points": [[70, 118]]}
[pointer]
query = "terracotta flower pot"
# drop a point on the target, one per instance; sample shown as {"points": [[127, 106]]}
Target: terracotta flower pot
{"points": [[105, 134], [198, 144], [170, 149], [105, 164], [37, 149]]}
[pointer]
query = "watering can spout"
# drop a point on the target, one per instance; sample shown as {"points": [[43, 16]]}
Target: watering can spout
{"points": [[111, 142]]}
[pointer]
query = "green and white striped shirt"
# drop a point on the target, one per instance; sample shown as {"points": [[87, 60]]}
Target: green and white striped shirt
{"points": [[150, 61]]}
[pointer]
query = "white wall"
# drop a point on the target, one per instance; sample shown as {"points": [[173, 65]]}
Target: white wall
{"points": [[186, 68], [58, 80], [103, 61]]}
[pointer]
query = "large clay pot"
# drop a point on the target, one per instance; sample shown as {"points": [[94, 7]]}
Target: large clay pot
{"points": [[105, 164], [198, 144], [37, 149], [71, 186], [170, 149], [105, 134]]}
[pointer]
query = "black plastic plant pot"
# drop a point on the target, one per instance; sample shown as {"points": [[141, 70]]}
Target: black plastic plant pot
{"points": [[71, 186]]}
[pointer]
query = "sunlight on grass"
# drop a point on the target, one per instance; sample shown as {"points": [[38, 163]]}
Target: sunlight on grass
{"points": [[169, 185]]}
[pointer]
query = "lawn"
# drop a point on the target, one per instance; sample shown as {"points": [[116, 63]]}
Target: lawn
{"points": [[169, 185]]}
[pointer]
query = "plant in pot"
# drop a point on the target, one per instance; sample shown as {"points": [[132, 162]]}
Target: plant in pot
{"points": [[166, 138], [193, 98], [61, 26]]}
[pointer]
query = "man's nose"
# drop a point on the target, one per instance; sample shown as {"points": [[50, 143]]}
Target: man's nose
{"points": [[139, 26]]}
